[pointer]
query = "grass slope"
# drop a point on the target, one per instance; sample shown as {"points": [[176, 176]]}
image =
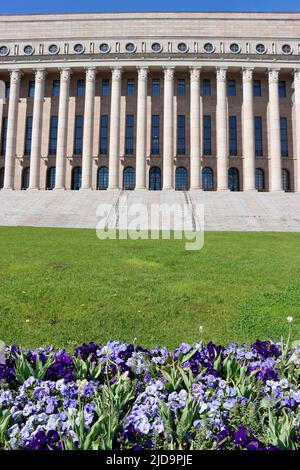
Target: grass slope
{"points": [[64, 286]]}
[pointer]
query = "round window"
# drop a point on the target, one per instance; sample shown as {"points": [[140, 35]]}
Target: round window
{"points": [[130, 47], [235, 48], [261, 49], [28, 50], [79, 48], [182, 47], [156, 47], [104, 48], [4, 50], [53, 49], [208, 47], [286, 49]]}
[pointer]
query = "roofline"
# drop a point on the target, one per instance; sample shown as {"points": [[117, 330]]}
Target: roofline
{"points": [[154, 11]]}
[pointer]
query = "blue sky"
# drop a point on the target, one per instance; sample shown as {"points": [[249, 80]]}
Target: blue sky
{"points": [[56, 6]]}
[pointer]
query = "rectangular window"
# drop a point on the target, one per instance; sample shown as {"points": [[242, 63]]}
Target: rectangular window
{"points": [[181, 134], [55, 87], [284, 137], [7, 89], [28, 135], [233, 136], [3, 136], [103, 135], [129, 134], [206, 135], [181, 87], [53, 135], [256, 88], [105, 87], [80, 90], [155, 134], [31, 88], [282, 89], [258, 136], [155, 87], [78, 136], [231, 88], [206, 87], [130, 87]]}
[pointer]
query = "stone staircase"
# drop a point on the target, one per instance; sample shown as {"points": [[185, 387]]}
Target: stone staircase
{"points": [[223, 211]]}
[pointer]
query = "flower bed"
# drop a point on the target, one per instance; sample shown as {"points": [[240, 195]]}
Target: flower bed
{"points": [[121, 396]]}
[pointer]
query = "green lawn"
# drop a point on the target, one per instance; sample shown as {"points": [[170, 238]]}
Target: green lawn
{"points": [[64, 286]]}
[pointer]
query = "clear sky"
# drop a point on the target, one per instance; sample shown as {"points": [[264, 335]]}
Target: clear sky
{"points": [[56, 6]]}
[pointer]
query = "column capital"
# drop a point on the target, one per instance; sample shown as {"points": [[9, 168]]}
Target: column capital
{"points": [[247, 74], [195, 73], [65, 74], [297, 75], [273, 75], [15, 75], [169, 72], [142, 72], [40, 75], [221, 74], [90, 73], [116, 73]]}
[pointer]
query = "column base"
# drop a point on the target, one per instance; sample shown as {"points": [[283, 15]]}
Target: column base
{"points": [[33, 189], [198, 190], [113, 190], [141, 189], [276, 191], [221, 190], [86, 189], [250, 191], [7, 189], [168, 189], [59, 189]]}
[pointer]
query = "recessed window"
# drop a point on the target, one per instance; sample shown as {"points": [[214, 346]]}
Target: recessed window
{"points": [[130, 87], [4, 50], [53, 49], [31, 89], [105, 87], [130, 47], [206, 87], [235, 48], [28, 50], [282, 89], [156, 87], [286, 49], [231, 88], [182, 47], [181, 87], [208, 47], [261, 49], [55, 88], [79, 48], [256, 87], [80, 88], [156, 47], [104, 48]]}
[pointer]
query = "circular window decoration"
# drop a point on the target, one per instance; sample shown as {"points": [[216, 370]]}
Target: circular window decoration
{"points": [[182, 47], [104, 47], [286, 49], [208, 47], [156, 47], [4, 50], [235, 48], [130, 47], [53, 49], [79, 48], [261, 49], [28, 50]]}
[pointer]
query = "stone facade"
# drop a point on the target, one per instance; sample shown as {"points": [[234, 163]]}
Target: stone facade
{"points": [[206, 65]]}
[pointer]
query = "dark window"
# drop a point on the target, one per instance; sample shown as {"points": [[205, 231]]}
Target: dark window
{"points": [[181, 87], [259, 179], [55, 88], [181, 134], [53, 135], [129, 134], [207, 135], [3, 136], [233, 136], [7, 89], [103, 135], [31, 88], [282, 89], [284, 137], [231, 88], [285, 179], [207, 179], [258, 136], [25, 178], [105, 87], [1, 177], [206, 87], [155, 179], [155, 134], [130, 87], [181, 179], [80, 90], [28, 136], [51, 178], [155, 87], [233, 179], [102, 180], [256, 88], [129, 178], [76, 178], [78, 136]]}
